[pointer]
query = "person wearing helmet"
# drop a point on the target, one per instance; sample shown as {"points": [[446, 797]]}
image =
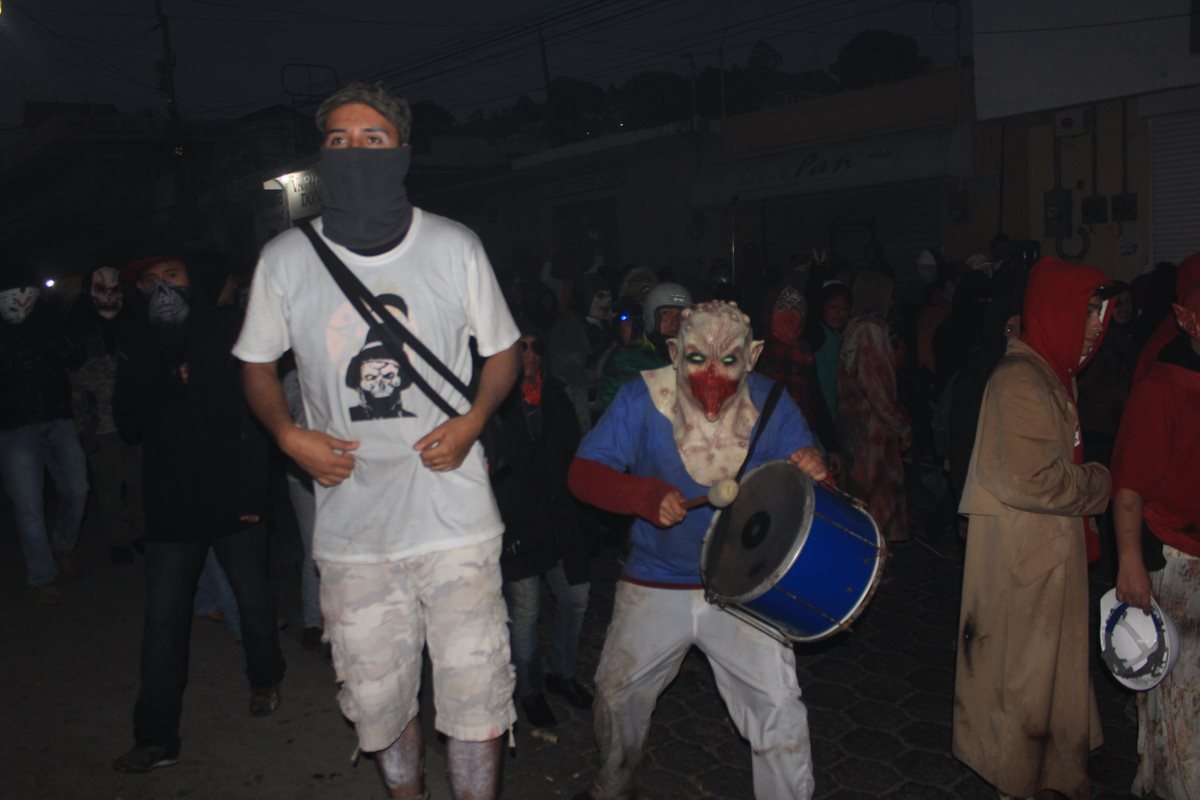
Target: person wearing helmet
{"points": [[1156, 508], [651, 327], [1025, 714]]}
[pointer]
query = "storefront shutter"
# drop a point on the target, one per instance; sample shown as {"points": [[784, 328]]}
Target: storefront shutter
{"points": [[1174, 186]]}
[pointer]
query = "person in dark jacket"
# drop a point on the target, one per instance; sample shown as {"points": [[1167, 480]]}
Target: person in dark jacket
{"points": [[36, 432], [177, 392], [544, 535]]}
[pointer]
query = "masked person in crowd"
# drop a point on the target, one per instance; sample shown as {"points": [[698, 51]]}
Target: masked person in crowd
{"points": [[1156, 508], [1025, 715], [115, 465], [545, 537], [36, 432], [204, 487], [408, 535], [672, 433]]}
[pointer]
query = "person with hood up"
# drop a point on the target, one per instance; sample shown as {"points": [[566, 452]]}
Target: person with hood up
{"points": [[872, 427], [1025, 715], [1155, 502], [204, 486]]}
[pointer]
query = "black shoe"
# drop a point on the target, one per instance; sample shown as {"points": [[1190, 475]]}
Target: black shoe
{"points": [[264, 700], [574, 691], [537, 711], [311, 639], [144, 759]]}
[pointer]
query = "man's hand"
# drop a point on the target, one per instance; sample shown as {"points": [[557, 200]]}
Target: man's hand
{"points": [[445, 447], [324, 457], [671, 510], [811, 463], [1133, 586]]}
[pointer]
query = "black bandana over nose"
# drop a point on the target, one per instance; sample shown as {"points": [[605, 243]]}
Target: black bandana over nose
{"points": [[365, 203]]}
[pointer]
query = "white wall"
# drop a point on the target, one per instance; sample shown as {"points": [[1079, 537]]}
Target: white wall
{"points": [[1019, 68]]}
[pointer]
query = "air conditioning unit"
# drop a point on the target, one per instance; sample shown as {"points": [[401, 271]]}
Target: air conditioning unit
{"points": [[1073, 122]]}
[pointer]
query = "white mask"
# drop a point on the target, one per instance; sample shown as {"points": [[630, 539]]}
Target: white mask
{"points": [[16, 304], [106, 292]]}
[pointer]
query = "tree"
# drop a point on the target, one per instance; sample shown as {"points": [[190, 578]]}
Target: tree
{"points": [[874, 57], [653, 98]]}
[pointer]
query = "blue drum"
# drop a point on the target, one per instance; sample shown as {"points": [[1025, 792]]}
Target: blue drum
{"points": [[791, 557]]}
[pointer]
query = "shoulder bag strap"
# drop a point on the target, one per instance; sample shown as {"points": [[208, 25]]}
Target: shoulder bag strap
{"points": [[392, 334], [768, 408]]}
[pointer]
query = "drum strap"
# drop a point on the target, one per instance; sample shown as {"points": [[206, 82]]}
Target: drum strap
{"points": [[768, 407]]}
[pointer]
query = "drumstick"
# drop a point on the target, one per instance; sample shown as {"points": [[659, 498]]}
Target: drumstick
{"points": [[720, 494]]}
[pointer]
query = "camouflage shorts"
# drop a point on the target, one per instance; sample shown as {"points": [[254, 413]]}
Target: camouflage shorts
{"points": [[378, 618]]}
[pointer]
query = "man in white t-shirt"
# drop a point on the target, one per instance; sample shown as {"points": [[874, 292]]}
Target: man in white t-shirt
{"points": [[407, 534]]}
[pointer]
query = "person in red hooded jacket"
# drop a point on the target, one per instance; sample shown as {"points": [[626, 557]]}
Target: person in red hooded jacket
{"points": [[1025, 715], [1155, 502]]}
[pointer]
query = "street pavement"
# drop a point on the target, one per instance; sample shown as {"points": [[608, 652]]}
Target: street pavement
{"points": [[879, 700]]}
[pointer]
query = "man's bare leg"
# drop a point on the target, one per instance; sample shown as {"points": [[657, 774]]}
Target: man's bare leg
{"points": [[402, 764], [474, 768]]}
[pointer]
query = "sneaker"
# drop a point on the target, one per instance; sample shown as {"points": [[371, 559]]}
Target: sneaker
{"points": [[144, 758], [575, 692], [264, 700], [311, 638], [537, 711], [47, 595]]}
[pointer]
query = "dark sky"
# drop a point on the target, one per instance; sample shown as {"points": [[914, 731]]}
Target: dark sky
{"points": [[231, 55]]}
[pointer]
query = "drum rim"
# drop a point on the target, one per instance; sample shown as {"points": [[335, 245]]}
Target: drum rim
{"points": [[789, 558], [844, 623]]}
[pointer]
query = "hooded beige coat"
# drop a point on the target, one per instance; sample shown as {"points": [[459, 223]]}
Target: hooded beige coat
{"points": [[1025, 714]]}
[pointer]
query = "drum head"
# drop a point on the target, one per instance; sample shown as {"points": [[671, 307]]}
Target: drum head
{"points": [[755, 540]]}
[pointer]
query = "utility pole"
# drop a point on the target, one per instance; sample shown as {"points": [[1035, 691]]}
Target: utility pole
{"points": [[551, 120], [166, 76]]}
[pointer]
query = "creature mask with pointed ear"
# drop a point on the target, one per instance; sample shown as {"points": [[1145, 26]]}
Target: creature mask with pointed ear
{"points": [[713, 353]]}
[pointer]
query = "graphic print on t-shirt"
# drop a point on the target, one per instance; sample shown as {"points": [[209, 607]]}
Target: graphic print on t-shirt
{"points": [[378, 377]]}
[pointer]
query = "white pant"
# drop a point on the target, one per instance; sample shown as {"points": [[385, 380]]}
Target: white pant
{"points": [[650, 634]]}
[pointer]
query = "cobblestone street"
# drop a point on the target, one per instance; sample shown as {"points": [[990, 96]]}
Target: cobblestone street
{"points": [[879, 701]]}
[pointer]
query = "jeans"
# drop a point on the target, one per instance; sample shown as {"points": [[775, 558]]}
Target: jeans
{"points": [[305, 506], [524, 603], [213, 593], [26, 454], [172, 572]]}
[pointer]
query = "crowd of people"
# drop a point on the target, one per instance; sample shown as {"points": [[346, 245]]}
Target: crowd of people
{"points": [[454, 442]]}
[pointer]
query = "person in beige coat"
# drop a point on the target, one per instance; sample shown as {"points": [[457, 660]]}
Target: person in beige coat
{"points": [[1025, 715]]}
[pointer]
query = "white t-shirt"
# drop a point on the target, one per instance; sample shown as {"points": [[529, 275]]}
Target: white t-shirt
{"points": [[439, 282]]}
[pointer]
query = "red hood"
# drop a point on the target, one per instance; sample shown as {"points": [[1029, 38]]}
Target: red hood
{"points": [[1188, 277], [1056, 301]]}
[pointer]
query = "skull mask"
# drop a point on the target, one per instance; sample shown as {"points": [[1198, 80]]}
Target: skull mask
{"points": [[17, 304], [106, 292]]}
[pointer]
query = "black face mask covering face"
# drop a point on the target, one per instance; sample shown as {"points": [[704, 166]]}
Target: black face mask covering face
{"points": [[362, 190]]}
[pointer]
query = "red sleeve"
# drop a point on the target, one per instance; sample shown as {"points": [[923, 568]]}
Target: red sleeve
{"points": [[1137, 461], [604, 487]]}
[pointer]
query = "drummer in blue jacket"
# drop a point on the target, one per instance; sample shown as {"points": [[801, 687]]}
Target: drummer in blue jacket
{"points": [[667, 437]]}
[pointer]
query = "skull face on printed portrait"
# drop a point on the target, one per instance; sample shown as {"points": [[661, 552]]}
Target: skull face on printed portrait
{"points": [[377, 376], [713, 353]]}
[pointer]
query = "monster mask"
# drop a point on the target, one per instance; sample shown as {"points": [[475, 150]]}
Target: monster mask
{"points": [[106, 292], [705, 393], [713, 354], [17, 304]]}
